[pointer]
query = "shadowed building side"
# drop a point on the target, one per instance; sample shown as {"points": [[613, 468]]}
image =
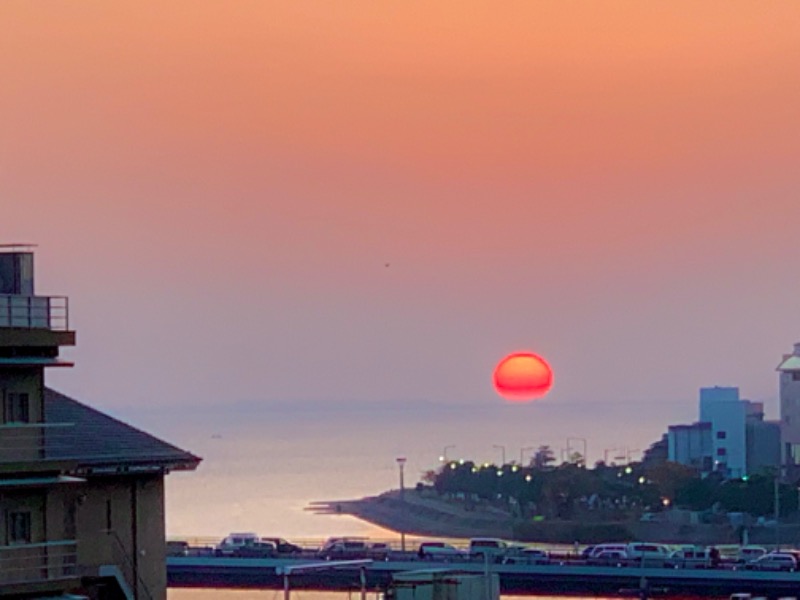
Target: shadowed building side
{"points": [[81, 493]]}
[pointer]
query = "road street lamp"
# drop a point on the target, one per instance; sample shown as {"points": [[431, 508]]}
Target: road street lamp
{"points": [[401, 463], [443, 457], [502, 450], [569, 448]]}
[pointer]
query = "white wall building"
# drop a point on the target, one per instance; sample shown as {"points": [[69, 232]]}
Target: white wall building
{"points": [[727, 414], [731, 436], [789, 383]]}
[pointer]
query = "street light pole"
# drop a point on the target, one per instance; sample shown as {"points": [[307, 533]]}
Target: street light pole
{"points": [[502, 450], [401, 463], [577, 439], [443, 457]]}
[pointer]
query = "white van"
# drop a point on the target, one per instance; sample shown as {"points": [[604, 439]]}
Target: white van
{"points": [[654, 555], [608, 548], [234, 542], [487, 547]]}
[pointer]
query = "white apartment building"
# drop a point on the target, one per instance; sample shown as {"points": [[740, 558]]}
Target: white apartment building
{"points": [[789, 384], [731, 436]]}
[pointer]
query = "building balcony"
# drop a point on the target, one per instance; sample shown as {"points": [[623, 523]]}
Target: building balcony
{"points": [[32, 328], [34, 312], [38, 567], [29, 448]]}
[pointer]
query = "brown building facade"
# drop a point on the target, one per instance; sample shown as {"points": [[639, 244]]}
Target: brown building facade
{"points": [[81, 493]]}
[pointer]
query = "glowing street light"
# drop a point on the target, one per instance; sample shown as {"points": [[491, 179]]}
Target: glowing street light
{"points": [[443, 457]]}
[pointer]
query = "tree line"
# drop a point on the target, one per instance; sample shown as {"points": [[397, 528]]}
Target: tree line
{"points": [[543, 490]]}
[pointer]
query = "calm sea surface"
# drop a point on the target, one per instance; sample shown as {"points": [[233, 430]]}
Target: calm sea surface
{"points": [[263, 464]]}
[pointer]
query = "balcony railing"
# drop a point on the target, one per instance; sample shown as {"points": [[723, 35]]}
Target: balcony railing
{"points": [[34, 312], [37, 563], [26, 442]]}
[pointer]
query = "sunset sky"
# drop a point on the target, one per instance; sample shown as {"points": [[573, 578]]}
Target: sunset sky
{"points": [[376, 201]]}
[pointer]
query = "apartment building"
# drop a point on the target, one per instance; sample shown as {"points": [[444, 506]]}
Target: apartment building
{"points": [[81, 493]]}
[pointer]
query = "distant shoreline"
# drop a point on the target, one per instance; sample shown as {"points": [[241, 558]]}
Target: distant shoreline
{"points": [[424, 515], [416, 515]]}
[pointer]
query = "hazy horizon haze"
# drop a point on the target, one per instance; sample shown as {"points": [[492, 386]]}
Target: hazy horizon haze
{"points": [[349, 203]]}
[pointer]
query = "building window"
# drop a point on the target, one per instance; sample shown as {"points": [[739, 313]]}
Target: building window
{"points": [[795, 375], [19, 527], [16, 408], [721, 435], [108, 515], [721, 451]]}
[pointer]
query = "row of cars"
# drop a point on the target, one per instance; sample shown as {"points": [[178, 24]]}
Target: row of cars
{"points": [[482, 549], [250, 545], [631, 554], [747, 557]]}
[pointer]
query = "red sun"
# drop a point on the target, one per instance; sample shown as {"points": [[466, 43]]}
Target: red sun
{"points": [[522, 376]]}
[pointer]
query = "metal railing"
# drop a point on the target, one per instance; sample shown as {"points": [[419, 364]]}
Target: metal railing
{"points": [[34, 312], [36, 563], [21, 442]]}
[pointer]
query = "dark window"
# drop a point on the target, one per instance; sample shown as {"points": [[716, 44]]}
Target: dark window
{"points": [[19, 527], [17, 408], [721, 451], [795, 375], [108, 515], [721, 435]]}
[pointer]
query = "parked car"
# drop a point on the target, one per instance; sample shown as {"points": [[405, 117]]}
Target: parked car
{"points": [[774, 561], [233, 542], [379, 551], [609, 558], [491, 548], [647, 550], [693, 558], [343, 549], [282, 546], [597, 549], [587, 552], [258, 549], [177, 548], [527, 556], [748, 554], [440, 550]]}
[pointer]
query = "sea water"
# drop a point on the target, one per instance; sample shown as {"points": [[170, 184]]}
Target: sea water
{"points": [[263, 464]]}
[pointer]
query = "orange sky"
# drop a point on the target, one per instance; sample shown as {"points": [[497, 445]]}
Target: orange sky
{"points": [[612, 185]]}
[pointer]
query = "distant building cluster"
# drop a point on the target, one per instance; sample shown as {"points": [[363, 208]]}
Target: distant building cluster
{"points": [[732, 438]]}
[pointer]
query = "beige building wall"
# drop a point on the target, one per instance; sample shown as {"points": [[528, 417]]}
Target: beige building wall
{"points": [[22, 443], [120, 521]]}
